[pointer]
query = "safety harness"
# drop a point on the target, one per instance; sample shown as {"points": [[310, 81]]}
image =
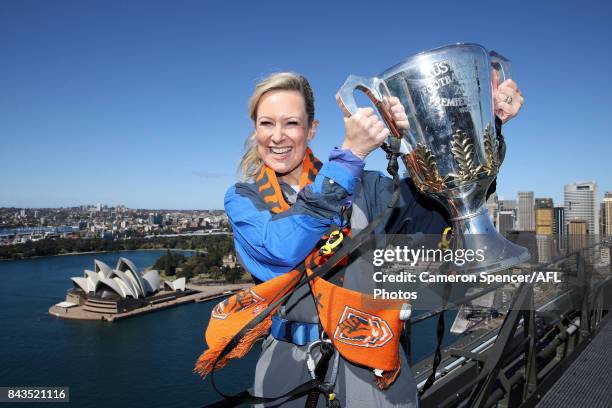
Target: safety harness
{"points": [[363, 330]]}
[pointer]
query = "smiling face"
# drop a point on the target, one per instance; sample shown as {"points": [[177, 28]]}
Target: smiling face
{"points": [[282, 132]]}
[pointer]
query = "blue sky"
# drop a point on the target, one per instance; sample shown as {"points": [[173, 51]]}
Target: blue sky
{"points": [[143, 103]]}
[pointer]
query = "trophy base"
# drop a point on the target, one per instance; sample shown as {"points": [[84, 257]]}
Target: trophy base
{"points": [[478, 233]]}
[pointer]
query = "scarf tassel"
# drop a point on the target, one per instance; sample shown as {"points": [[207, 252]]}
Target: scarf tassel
{"points": [[205, 362], [387, 378]]}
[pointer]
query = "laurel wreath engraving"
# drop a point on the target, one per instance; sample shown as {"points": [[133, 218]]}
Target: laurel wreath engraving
{"points": [[463, 152], [491, 149], [424, 170], [429, 168]]}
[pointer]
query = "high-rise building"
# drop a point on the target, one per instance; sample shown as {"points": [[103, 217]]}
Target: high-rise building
{"points": [[577, 234], [606, 215], [155, 219], [526, 213], [509, 205], [544, 216], [582, 203], [577, 227], [545, 250], [492, 206], [505, 221], [602, 214], [604, 256], [559, 221], [544, 220]]}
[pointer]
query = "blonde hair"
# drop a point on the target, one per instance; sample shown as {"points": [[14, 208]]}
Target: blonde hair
{"points": [[285, 81]]}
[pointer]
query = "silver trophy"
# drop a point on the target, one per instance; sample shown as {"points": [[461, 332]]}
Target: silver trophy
{"points": [[451, 150]]}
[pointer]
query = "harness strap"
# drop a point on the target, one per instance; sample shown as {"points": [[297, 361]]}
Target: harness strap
{"points": [[297, 333], [327, 351], [245, 397]]}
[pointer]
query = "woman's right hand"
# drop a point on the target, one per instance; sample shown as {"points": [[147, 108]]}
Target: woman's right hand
{"points": [[364, 132]]}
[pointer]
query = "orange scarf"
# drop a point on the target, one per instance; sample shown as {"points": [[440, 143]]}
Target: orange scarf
{"points": [[270, 189], [364, 330]]}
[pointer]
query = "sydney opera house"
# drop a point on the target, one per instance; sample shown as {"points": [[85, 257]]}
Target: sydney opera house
{"points": [[105, 290]]}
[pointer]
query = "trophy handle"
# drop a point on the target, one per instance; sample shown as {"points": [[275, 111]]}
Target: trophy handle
{"points": [[370, 87], [501, 65]]}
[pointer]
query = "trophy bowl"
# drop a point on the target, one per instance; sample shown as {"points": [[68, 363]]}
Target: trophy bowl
{"points": [[452, 150]]}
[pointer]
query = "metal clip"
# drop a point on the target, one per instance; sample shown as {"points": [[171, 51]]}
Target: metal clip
{"points": [[335, 238], [310, 363], [445, 241]]}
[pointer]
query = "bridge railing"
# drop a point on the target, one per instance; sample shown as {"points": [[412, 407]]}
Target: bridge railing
{"points": [[544, 327]]}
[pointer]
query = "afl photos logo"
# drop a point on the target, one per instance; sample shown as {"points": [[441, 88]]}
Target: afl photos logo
{"points": [[233, 304], [358, 328]]}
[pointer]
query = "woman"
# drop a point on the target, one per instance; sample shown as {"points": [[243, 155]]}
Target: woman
{"points": [[294, 199]]}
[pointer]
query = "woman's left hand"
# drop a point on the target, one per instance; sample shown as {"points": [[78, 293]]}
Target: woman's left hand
{"points": [[508, 100], [396, 109]]}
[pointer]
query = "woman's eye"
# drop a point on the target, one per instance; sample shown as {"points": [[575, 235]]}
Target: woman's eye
{"points": [[265, 123], [293, 123]]}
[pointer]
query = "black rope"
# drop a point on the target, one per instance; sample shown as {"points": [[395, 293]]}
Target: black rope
{"points": [[440, 330], [327, 351], [406, 340]]}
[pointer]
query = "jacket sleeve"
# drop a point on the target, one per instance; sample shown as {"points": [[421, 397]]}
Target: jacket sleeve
{"points": [[272, 244]]}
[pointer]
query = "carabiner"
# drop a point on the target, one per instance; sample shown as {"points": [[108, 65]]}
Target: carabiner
{"points": [[445, 241], [310, 363], [335, 238]]}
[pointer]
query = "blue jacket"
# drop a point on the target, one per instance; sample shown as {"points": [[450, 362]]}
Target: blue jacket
{"points": [[271, 244]]}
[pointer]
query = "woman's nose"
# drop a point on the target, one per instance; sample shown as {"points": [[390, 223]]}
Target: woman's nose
{"points": [[278, 134]]}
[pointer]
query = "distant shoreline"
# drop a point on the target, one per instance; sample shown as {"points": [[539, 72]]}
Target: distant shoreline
{"points": [[102, 252], [202, 293]]}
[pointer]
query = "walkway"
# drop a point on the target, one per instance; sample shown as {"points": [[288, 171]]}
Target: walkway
{"points": [[588, 380]]}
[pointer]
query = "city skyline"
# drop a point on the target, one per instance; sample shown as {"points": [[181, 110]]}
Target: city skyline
{"points": [[602, 195], [144, 103], [581, 209]]}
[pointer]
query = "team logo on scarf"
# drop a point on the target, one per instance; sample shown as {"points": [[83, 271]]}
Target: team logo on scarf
{"points": [[233, 304], [358, 328]]}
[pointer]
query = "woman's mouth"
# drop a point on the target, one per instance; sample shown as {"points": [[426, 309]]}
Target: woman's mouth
{"points": [[280, 150]]}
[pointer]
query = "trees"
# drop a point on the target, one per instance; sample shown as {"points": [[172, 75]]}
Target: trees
{"points": [[170, 266], [192, 266], [160, 264], [169, 262], [212, 247], [233, 275], [186, 271]]}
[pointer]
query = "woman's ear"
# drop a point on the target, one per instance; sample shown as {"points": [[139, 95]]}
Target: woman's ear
{"points": [[313, 129]]}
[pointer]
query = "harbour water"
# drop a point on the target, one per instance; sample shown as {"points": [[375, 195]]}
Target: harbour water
{"points": [[145, 361]]}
